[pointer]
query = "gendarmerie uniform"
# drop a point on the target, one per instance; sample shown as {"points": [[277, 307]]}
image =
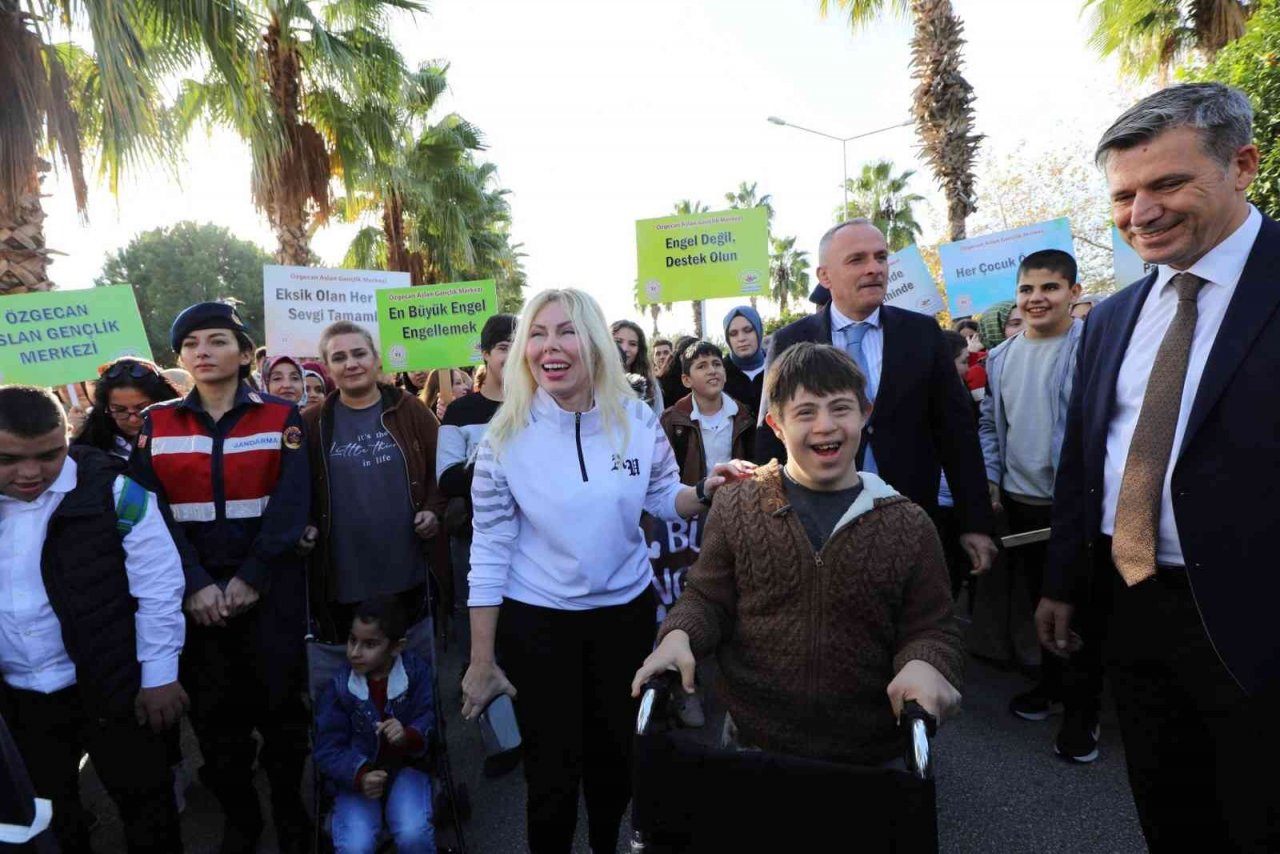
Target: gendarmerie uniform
{"points": [[237, 491]]}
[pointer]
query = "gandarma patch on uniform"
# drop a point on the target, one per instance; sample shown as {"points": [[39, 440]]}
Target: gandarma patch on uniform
{"points": [[293, 438]]}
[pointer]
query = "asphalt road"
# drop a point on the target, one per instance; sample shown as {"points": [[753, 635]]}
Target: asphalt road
{"points": [[1000, 788]]}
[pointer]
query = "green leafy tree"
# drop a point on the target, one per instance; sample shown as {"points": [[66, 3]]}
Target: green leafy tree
{"points": [[882, 197], [942, 103], [59, 98], [682, 208], [1253, 65], [788, 272], [1150, 37], [172, 268]]}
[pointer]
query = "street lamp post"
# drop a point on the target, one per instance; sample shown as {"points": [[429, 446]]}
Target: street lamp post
{"points": [[844, 146]]}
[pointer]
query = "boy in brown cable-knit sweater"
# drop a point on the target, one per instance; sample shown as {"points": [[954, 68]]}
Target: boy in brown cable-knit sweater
{"points": [[823, 592]]}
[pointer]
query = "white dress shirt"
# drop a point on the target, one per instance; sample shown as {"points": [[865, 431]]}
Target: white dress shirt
{"points": [[717, 431], [1221, 269], [32, 655]]}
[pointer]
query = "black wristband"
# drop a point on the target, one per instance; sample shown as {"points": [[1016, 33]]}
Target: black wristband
{"points": [[700, 490]]}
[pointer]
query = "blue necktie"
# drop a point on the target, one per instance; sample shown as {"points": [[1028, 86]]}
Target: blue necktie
{"points": [[853, 336]]}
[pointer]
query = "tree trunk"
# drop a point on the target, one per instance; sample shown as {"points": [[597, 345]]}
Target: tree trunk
{"points": [[753, 302], [943, 107], [654, 310], [24, 259], [782, 302], [293, 249], [697, 319]]}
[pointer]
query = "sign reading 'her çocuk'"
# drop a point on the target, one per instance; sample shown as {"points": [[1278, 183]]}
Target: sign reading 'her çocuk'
{"points": [[984, 270], [702, 256], [434, 326], [63, 337]]}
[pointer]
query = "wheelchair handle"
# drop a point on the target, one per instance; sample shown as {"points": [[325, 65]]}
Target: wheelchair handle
{"points": [[653, 696], [923, 726]]}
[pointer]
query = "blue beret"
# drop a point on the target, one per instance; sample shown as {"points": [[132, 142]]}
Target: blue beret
{"points": [[204, 315]]}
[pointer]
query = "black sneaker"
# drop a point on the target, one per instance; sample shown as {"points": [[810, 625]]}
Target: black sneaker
{"points": [[1078, 739], [1035, 705]]}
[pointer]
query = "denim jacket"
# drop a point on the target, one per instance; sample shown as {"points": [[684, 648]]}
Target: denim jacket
{"points": [[993, 423], [346, 720]]}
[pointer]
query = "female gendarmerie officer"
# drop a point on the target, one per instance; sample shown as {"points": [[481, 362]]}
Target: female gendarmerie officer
{"points": [[229, 463]]}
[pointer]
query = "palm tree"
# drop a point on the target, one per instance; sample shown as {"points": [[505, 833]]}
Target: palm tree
{"points": [[58, 99], [416, 171], [788, 271], [745, 197], [319, 57], [1150, 37], [882, 197], [684, 207], [943, 100]]}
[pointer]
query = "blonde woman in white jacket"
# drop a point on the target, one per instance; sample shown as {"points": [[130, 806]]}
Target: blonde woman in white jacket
{"points": [[560, 575]]}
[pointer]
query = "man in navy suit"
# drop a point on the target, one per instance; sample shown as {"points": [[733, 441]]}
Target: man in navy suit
{"points": [[1167, 503], [922, 418]]}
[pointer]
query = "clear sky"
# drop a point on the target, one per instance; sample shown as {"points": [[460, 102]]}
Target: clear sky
{"points": [[598, 114]]}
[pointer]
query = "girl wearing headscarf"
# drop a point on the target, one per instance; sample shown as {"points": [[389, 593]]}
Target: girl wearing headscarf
{"points": [[991, 323], [283, 376], [744, 374], [316, 379]]}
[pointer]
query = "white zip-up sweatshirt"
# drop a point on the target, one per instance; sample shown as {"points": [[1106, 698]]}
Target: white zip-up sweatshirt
{"points": [[557, 518]]}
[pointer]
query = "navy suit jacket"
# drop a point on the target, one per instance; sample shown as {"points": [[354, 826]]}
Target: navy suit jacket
{"points": [[1226, 476], [923, 419]]}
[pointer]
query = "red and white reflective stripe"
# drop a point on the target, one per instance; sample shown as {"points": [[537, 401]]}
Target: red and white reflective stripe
{"points": [[247, 508], [181, 445], [255, 442], [196, 511], [205, 511]]}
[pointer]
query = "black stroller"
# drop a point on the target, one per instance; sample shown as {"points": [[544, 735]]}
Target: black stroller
{"points": [[452, 804], [688, 797]]}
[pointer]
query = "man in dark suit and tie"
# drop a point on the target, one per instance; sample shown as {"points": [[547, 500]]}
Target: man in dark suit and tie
{"points": [[922, 419], [1167, 503]]}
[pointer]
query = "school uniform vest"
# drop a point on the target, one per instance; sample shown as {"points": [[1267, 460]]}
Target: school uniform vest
{"points": [[203, 473], [82, 565]]}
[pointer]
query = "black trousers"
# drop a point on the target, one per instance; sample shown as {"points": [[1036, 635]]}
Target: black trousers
{"points": [[572, 671], [250, 675], [1077, 680], [53, 731], [1200, 752]]}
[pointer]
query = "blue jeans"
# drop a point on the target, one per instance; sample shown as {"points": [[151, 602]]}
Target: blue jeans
{"points": [[357, 820]]}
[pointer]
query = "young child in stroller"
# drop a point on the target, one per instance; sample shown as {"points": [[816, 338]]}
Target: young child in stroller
{"points": [[374, 721], [820, 589]]}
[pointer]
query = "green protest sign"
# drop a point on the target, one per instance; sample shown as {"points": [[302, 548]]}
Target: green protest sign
{"points": [[61, 337], [434, 326], [701, 256]]}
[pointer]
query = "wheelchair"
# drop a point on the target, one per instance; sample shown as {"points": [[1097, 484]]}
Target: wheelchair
{"points": [[688, 797], [452, 803]]}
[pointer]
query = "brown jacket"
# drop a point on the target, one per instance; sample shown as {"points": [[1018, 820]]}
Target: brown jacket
{"points": [[414, 428], [686, 438], [807, 643]]}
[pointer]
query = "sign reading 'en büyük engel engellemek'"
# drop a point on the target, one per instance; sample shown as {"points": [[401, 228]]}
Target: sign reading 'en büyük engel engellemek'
{"points": [[434, 326], [702, 256], [911, 286], [299, 302], [61, 337], [984, 270]]}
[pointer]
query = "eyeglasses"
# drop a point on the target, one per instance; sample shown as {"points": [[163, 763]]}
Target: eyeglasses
{"points": [[136, 370], [124, 413]]}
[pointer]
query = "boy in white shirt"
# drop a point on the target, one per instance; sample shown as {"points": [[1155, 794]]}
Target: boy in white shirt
{"points": [[91, 625], [721, 428]]}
